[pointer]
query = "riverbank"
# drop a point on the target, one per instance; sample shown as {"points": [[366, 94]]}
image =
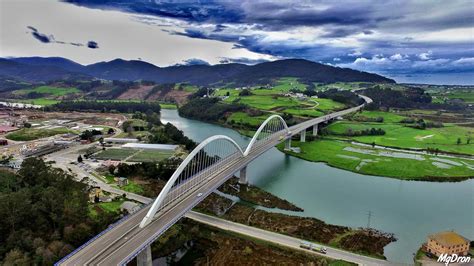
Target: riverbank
{"points": [[192, 243], [343, 197], [378, 160], [364, 241], [382, 162], [256, 195]]}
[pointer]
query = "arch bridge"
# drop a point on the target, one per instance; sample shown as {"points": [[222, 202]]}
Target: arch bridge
{"points": [[207, 167]]}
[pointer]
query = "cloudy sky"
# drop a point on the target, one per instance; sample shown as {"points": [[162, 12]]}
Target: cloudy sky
{"points": [[412, 41]]}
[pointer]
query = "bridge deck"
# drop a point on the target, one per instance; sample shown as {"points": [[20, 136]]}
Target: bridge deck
{"points": [[124, 241]]}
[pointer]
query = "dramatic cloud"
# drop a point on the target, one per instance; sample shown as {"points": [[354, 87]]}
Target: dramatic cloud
{"points": [[40, 36], [92, 45], [386, 37], [323, 31], [50, 39], [241, 60], [193, 62]]}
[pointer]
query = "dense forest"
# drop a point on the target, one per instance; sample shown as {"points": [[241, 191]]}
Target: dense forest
{"points": [[348, 98], [160, 133], [410, 97], [208, 109], [105, 106], [44, 215], [171, 135]]}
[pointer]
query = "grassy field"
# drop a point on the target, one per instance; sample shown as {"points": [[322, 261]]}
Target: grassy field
{"points": [[399, 135], [114, 154], [135, 134], [272, 99], [26, 134], [186, 87], [466, 95], [136, 155], [150, 156], [168, 106], [38, 101], [132, 187], [370, 161], [54, 91], [113, 206], [304, 112], [388, 117], [288, 83], [242, 117]]}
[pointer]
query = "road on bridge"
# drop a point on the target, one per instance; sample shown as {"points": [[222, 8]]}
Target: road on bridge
{"points": [[123, 241]]}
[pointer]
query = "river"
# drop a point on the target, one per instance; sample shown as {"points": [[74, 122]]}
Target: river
{"points": [[410, 209]]}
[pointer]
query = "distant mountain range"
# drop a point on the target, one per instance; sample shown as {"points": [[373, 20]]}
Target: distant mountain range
{"points": [[36, 69]]}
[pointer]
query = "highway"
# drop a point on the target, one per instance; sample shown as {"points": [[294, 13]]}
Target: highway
{"points": [[282, 240], [125, 240]]}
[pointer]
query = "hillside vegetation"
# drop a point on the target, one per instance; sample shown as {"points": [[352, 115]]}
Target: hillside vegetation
{"points": [[45, 69]]}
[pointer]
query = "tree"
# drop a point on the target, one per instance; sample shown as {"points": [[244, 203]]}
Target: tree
{"points": [[112, 169], [373, 144], [79, 159], [245, 92], [87, 135], [111, 131], [26, 125], [459, 141]]}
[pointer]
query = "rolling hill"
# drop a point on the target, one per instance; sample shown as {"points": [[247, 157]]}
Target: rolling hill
{"points": [[46, 69]]}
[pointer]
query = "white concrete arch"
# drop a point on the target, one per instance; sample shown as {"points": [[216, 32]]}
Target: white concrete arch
{"points": [[259, 130], [159, 200]]}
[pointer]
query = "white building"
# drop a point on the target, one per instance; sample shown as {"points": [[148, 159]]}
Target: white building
{"points": [[146, 146], [120, 140]]}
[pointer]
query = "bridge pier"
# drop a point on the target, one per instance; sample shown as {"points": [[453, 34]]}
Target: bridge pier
{"points": [[144, 258], [303, 135], [288, 144], [243, 176], [315, 130]]}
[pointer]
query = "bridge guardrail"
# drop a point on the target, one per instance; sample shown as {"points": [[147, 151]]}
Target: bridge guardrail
{"points": [[110, 227]]}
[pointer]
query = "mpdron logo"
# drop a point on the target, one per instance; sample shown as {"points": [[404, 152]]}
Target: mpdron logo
{"points": [[454, 258]]}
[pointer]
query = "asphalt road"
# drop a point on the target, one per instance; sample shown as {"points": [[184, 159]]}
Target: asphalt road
{"points": [[122, 242], [282, 240]]}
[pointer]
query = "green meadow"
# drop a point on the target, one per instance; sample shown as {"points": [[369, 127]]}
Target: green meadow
{"points": [[150, 156], [396, 164], [114, 154], [27, 134], [38, 101], [402, 136], [242, 117], [274, 100], [54, 91]]}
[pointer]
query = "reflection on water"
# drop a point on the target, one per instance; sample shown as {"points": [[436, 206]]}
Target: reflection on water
{"points": [[409, 209]]}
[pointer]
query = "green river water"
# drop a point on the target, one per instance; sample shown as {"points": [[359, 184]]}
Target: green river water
{"points": [[409, 209]]}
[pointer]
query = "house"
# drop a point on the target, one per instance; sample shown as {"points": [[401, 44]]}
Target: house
{"points": [[122, 181], [129, 206], [448, 242]]}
